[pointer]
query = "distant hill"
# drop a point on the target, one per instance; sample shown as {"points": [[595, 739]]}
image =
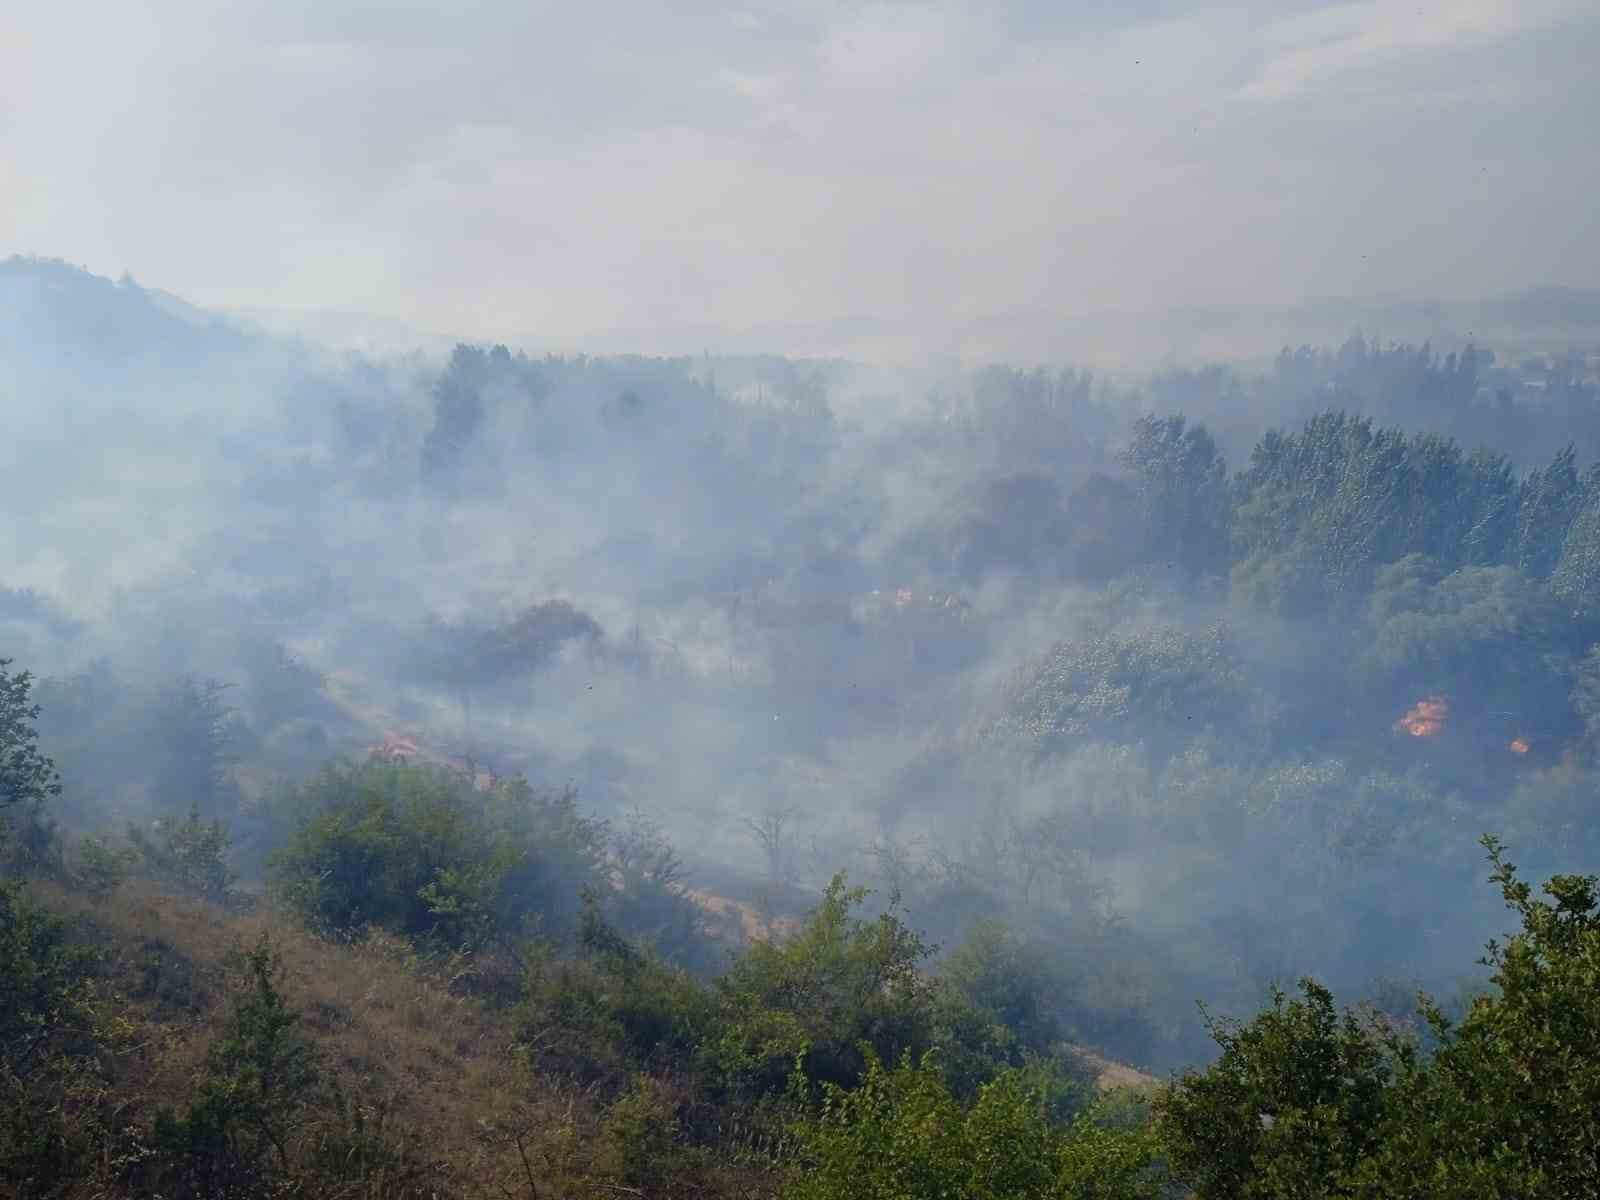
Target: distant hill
{"points": [[50, 309]]}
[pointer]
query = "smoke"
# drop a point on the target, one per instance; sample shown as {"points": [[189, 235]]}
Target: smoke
{"points": [[927, 626]]}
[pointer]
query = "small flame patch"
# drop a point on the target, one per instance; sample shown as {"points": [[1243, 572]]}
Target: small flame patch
{"points": [[1520, 745], [1426, 718]]}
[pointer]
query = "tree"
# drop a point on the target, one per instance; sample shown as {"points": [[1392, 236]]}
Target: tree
{"points": [[1509, 1105], [1548, 504], [1306, 1101], [26, 776], [195, 738], [1182, 484], [1576, 581], [1293, 1103]]}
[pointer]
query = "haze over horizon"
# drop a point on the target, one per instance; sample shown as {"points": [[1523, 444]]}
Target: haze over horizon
{"points": [[625, 177]]}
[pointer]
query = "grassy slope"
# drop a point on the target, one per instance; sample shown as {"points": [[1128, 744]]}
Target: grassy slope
{"points": [[434, 1064]]}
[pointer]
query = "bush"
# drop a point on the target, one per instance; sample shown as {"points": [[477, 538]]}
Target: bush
{"points": [[26, 776], [640, 1135], [1308, 1102], [837, 984], [611, 1006], [102, 867], [418, 850], [190, 855], [901, 1133], [259, 1077], [47, 1040], [1292, 1105]]}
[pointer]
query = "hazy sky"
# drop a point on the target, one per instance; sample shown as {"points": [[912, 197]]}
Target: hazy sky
{"points": [[507, 168]]}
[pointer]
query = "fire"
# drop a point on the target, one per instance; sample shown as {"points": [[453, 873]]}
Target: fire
{"points": [[1519, 745], [1426, 719]]}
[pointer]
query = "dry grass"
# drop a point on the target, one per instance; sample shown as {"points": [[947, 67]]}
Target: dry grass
{"points": [[439, 1067], [459, 1108]]}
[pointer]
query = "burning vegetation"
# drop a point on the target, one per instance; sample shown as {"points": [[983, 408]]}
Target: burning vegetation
{"points": [[1426, 718]]}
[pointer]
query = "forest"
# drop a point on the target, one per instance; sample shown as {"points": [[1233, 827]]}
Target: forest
{"points": [[568, 775]]}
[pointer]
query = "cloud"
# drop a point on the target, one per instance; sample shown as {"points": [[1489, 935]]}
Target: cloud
{"points": [[1323, 49], [577, 172]]}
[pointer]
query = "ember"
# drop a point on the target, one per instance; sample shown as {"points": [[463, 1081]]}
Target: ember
{"points": [[1426, 719]]}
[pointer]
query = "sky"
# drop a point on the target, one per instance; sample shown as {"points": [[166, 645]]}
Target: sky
{"points": [[576, 172]]}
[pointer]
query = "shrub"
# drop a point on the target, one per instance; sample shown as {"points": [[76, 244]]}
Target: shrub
{"points": [[190, 855], [640, 1135], [419, 850], [102, 867], [1308, 1102], [901, 1133], [47, 1039], [259, 1076], [1293, 1103], [837, 984]]}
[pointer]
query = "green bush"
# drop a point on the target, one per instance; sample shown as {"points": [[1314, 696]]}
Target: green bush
{"points": [[102, 867], [47, 1043], [1292, 1105], [1509, 1103], [640, 1135], [260, 1076], [189, 855], [1309, 1102], [419, 850], [901, 1133], [838, 983], [611, 1005]]}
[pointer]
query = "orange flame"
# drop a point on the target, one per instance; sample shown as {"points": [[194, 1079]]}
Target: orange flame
{"points": [[1426, 719], [1519, 745]]}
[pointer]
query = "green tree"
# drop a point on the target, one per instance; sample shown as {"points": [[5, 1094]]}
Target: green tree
{"points": [[1509, 1105], [195, 738], [1182, 484], [1576, 581], [1292, 1105], [26, 775]]}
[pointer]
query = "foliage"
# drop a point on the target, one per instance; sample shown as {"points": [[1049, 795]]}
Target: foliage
{"points": [[650, 899], [1292, 1105], [640, 1135], [1308, 1102], [193, 738], [900, 1133], [474, 653], [1182, 485], [837, 984], [1008, 981], [47, 1038], [102, 867], [1509, 1105], [1123, 687], [43, 981], [420, 850], [260, 1075], [27, 777], [189, 855]]}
